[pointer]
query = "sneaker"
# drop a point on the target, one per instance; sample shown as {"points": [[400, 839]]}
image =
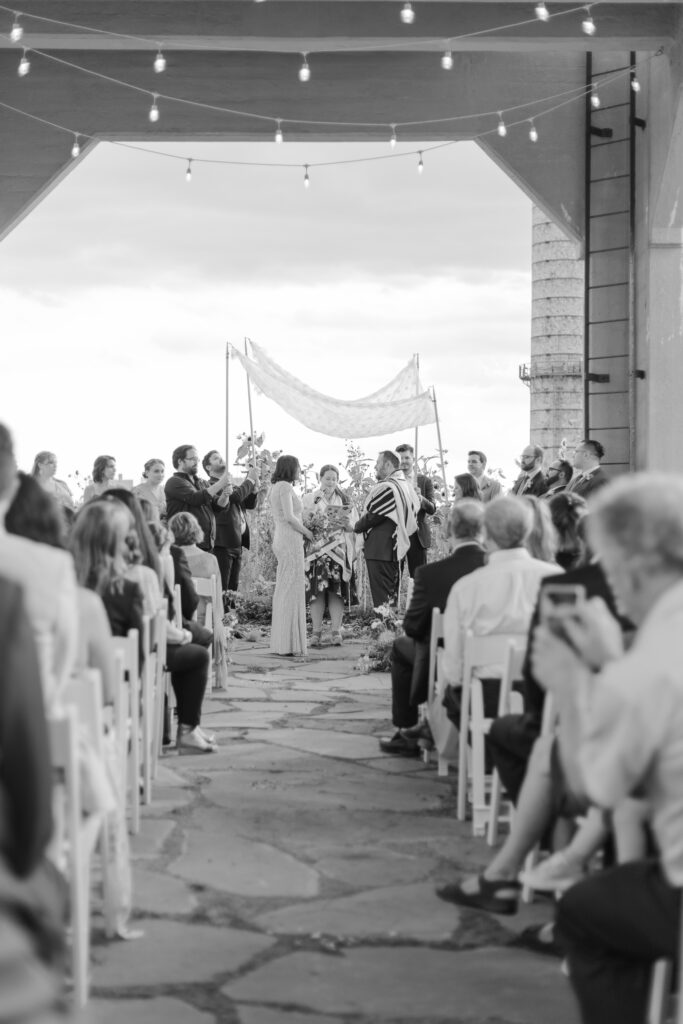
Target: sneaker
{"points": [[210, 737], [337, 640], [556, 874], [316, 640], [190, 741]]}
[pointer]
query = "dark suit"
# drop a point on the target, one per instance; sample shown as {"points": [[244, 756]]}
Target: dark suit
{"points": [[380, 556], [422, 538], [410, 656], [512, 737], [586, 486], [229, 537], [537, 486]]}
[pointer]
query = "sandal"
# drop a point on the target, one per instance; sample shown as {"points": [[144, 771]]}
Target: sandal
{"points": [[336, 639], [498, 897], [316, 640]]}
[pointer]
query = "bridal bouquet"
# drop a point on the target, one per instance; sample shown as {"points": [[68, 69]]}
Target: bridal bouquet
{"points": [[321, 565]]}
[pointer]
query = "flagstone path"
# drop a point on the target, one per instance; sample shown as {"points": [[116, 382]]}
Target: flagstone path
{"points": [[289, 878]]}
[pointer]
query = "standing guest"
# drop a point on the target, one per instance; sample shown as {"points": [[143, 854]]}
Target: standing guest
{"points": [[185, 492], [567, 511], [328, 586], [532, 479], [466, 486], [410, 653], [44, 469], [388, 521], [488, 487], [151, 488], [421, 540], [558, 476], [288, 626], [543, 541], [589, 476], [103, 473], [232, 528]]}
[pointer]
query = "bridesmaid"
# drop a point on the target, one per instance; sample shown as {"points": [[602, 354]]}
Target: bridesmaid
{"points": [[288, 628]]}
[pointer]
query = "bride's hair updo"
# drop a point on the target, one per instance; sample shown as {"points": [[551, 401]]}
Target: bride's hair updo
{"points": [[286, 468]]}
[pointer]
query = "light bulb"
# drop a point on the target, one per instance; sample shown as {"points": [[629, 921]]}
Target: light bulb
{"points": [[392, 140], [447, 60], [17, 30], [588, 25], [279, 137], [159, 62], [307, 180], [595, 97], [420, 165], [304, 70], [188, 172], [533, 134], [635, 84], [407, 14], [502, 130], [154, 110], [75, 149], [24, 66], [542, 12]]}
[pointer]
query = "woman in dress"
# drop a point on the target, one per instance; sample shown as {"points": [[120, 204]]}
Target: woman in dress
{"points": [[151, 488], [288, 629], [466, 486], [44, 469], [103, 473], [328, 572]]}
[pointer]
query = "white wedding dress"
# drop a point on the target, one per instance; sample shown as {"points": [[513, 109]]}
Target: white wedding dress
{"points": [[288, 628]]}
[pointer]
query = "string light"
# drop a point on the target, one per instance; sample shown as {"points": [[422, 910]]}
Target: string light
{"points": [[154, 110], [17, 30], [304, 70], [447, 60], [533, 134], [24, 66], [76, 148], [588, 25], [595, 97], [541, 11], [307, 180], [420, 164], [188, 172], [407, 14], [279, 137], [501, 129], [635, 84], [392, 140], [159, 62]]}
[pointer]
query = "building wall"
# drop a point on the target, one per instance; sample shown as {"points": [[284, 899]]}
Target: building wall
{"points": [[557, 319]]}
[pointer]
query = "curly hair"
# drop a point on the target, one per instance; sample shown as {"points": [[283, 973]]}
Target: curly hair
{"points": [[185, 529]]}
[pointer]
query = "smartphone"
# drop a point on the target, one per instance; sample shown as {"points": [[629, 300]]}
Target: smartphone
{"points": [[560, 602]]}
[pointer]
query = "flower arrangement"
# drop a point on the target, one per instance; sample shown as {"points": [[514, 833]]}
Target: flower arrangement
{"points": [[384, 629], [323, 569]]}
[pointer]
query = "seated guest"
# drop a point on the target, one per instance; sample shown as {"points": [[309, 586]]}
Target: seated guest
{"points": [[152, 489], [542, 541], [588, 476], [567, 511], [47, 578], [466, 486], [488, 487], [44, 469], [621, 730], [532, 479], [558, 476], [103, 473], [410, 654]]}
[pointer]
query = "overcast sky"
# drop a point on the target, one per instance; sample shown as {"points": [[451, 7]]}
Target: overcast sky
{"points": [[121, 289]]}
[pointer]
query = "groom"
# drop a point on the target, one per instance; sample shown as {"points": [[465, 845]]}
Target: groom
{"points": [[389, 518]]}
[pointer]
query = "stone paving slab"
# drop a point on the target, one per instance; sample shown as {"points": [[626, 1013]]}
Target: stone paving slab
{"points": [[156, 893], [264, 1015], [146, 1011], [152, 835], [175, 953], [378, 867], [413, 983], [326, 743]]}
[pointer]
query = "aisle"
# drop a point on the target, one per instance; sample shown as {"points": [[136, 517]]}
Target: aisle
{"points": [[289, 878]]}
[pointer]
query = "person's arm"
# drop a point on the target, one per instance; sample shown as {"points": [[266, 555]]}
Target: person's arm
{"points": [[427, 503], [368, 521], [417, 621], [288, 512]]}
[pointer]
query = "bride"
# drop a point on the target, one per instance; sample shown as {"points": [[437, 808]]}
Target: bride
{"points": [[288, 628]]}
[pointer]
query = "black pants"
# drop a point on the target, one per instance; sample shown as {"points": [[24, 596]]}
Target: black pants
{"points": [[189, 668], [383, 580], [403, 714], [510, 741], [416, 555], [229, 563], [613, 927]]}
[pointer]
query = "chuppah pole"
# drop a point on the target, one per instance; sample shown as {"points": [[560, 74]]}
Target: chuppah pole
{"points": [[417, 392], [227, 404], [251, 418], [438, 437]]}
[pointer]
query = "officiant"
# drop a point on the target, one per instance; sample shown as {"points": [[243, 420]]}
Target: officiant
{"points": [[330, 563]]}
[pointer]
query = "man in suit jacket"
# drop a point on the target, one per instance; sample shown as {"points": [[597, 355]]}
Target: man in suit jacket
{"points": [[588, 476], [532, 479], [232, 528], [488, 487], [410, 656], [421, 540]]}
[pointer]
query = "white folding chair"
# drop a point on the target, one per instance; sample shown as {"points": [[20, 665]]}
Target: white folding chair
{"points": [[509, 703], [159, 626], [148, 678], [121, 718], [659, 1009], [208, 588], [483, 656], [129, 646], [444, 733]]}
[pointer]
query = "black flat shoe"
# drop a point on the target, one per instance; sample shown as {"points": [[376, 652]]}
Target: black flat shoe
{"points": [[497, 897], [399, 745]]}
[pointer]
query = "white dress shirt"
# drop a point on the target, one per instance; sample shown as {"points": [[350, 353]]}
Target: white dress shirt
{"points": [[498, 598]]}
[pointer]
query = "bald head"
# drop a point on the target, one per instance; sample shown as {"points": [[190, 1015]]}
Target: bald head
{"points": [[508, 522]]}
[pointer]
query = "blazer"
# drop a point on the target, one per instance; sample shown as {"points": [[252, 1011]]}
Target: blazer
{"points": [[379, 537], [584, 488], [229, 517], [427, 508], [539, 485], [185, 493], [431, 586]]}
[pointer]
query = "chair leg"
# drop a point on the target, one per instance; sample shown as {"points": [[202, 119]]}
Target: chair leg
{"points": [[529, 864], [494, 812], [660, 990], [462, 751], [442, 766]]}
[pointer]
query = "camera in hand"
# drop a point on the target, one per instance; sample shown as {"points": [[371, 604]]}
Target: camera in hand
{"points": [[559, 603]]}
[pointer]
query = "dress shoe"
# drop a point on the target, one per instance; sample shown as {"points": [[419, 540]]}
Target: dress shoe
{"points": [[400, 745], [498, 896], [421, 731]]}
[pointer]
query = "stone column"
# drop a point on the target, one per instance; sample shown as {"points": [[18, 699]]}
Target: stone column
{"points": [[554, 374]]}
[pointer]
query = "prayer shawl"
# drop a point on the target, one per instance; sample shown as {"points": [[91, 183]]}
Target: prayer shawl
{"points": [[398, 500], [341, 548]]}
